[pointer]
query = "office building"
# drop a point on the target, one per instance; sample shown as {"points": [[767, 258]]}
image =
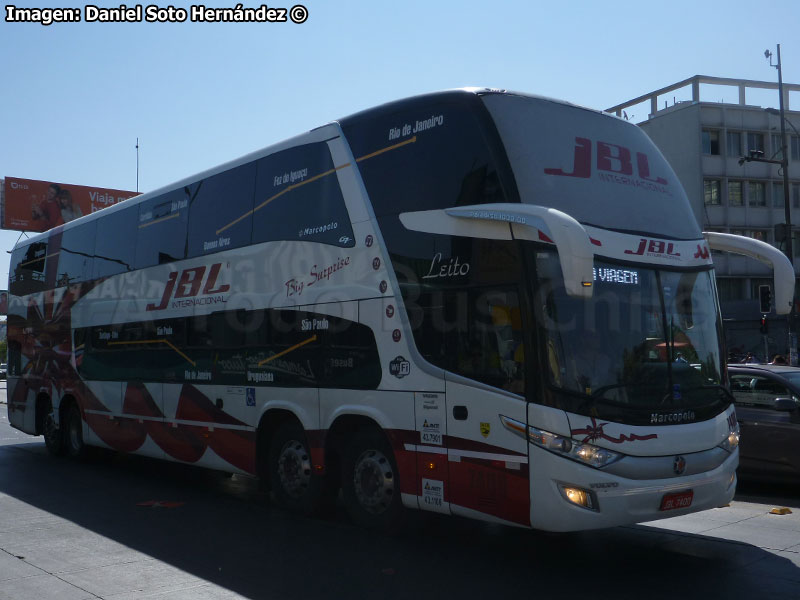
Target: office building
{"points": [[704, 137]]}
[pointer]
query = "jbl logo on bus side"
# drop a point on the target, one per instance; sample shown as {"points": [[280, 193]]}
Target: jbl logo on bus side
{"points": [[187, 285]]}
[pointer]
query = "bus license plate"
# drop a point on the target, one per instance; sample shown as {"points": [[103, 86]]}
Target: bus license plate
{"points": [[675, 501]]}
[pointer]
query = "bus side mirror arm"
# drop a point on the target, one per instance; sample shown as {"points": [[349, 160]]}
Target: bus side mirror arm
{"points": [[783, 270], [518, 221]]}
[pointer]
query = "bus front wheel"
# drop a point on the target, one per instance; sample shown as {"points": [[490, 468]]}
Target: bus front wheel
{"points": [[295, 487], [370, 485]]}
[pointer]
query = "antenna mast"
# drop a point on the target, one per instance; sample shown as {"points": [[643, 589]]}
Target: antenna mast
{"points": [[137, 165]]}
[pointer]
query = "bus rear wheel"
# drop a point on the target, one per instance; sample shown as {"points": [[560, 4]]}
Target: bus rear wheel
{"points": [[295, 487], [54, 438], [74, 432], [370, 485]]}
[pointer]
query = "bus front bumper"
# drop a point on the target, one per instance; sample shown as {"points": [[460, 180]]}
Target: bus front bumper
{"points": [[615, 500]]}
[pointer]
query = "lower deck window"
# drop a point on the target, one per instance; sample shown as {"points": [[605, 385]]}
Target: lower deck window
{"points": [[281, 348]]}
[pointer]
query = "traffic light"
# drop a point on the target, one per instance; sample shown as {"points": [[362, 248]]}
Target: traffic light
{"points": [[764, 298], [764, 326]]}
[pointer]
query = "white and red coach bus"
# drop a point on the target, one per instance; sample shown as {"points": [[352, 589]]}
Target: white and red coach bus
{"points": [[472, 302]]}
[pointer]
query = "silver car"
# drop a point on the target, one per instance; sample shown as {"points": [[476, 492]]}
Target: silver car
{"points": [[768, 409]]}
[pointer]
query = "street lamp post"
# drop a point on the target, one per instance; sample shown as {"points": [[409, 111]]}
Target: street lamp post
{"points": [[784, 156], [784, 165], [786, 201]]}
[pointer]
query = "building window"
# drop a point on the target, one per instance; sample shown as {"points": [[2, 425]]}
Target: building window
{"points": [[777, 195], [734, 143], [756, 193], [795, 147], [735, 196], [756, 234], [755, 141], [710, 142], [796, 242], [711, 193], [796, 195], [729, 288]]}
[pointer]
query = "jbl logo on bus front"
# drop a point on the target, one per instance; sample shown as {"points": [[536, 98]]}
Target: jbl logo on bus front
{"points": [[611, 158]]}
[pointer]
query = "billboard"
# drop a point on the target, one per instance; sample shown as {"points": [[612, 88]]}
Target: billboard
{"points": [[33, 205]]}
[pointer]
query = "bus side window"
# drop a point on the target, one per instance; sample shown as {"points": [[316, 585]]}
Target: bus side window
{"points": [[487, 341], [426, 314], [449, 165], [220, 217], [115, 246], [75, 260], [298, 197], [475, 332], [28, 269], [161, 228], [279, 352], [349, 355]]}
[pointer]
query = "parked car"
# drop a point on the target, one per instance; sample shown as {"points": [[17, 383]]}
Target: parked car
{"points": [[768, 409], [3, 370]]}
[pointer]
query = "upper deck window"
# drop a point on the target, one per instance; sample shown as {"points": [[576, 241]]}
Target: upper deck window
{"points": [[298, 197], [76, 255], [115, 246], [161, 235], [221, 211], [423, 155], [27, 272]]}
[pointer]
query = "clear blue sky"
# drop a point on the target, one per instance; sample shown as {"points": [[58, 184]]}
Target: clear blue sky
{"points": [[74, 97]]}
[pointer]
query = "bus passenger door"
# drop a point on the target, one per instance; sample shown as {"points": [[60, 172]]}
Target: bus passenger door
{"points": [[488, 462]]}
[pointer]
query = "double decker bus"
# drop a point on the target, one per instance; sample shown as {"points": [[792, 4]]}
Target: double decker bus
{"points": [[472, 302]]}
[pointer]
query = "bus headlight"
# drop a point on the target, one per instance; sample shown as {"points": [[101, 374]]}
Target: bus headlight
{"points": [[588, 454], [731, 442]]}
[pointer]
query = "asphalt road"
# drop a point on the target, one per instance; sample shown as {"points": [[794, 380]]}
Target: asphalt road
{"points": [[120, 528]]}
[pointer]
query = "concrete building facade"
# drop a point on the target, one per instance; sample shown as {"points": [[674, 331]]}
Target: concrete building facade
{"points": [[704, 142]]}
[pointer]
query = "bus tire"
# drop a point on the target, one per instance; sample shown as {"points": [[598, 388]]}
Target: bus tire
{"points": [[370, 486], [295, 487], [73, 432], [54, 437]]}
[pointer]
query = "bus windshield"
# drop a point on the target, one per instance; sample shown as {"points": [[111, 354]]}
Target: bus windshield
{"points": [[648, 339]]}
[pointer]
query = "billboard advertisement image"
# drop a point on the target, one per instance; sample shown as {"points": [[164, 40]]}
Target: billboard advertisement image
{"points": [[33, 205]]}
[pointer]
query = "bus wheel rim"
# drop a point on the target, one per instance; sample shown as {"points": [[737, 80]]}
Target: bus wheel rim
{"points": [[373, 480], [294, 468], [75, 434], [50, 429]]}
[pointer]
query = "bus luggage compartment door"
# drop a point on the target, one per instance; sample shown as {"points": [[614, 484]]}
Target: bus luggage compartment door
{"points": [[488, 464]]}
